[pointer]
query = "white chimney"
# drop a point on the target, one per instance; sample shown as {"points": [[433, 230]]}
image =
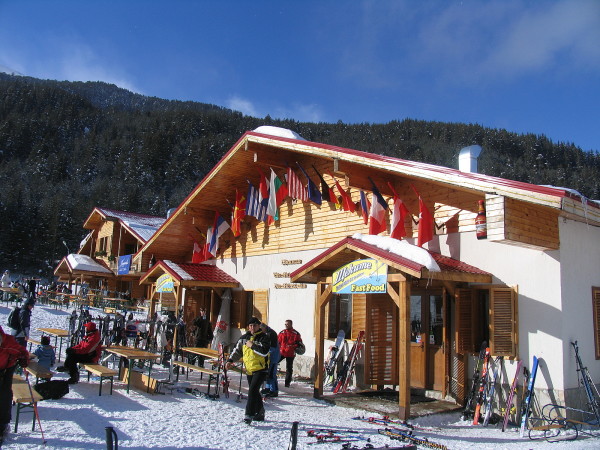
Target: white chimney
{"points": [[467, 158]]}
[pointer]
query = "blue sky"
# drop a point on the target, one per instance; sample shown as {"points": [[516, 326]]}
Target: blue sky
{"points": [[520, 65]]}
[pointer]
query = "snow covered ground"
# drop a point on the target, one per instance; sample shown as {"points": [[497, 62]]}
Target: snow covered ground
{"points": [[179, 420]]}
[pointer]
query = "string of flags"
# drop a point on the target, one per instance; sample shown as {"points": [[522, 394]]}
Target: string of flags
{"points": [[263, 204]]}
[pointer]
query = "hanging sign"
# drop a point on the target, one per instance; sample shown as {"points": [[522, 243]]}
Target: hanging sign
{"points": [[364, 276], [124, 264], [164, 283]]}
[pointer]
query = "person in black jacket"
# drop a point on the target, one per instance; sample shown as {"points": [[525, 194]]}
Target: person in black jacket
{"points": [[253, 346], [204, 333], [22, 334]]}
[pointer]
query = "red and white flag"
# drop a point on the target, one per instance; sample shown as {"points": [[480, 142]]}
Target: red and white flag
{"points": [[295, 187], [379, 206], [426, 223]]}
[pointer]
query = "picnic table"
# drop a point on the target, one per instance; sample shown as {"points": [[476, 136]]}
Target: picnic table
{"points": [[132, 355], [202, 351], [114, 302], [13, 294], [57, 333]]}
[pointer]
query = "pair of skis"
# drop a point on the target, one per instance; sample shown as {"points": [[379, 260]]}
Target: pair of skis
{"points": [[347, 370], [331, 362], [408, 436]]}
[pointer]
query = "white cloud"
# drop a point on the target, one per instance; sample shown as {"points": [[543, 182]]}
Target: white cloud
{"points": [[242, 105], [297, 111]]}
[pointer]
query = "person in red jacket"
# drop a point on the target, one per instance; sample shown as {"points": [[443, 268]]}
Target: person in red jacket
{"points": [[288, 341], [87, 351], [11, 353]]}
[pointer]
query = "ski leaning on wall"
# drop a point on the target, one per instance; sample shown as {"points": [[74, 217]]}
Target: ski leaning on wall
{"points": [[480, 399], [491, 392], [332, 358], [511, 395], [528, 397], [469, 406], [345, 374]]}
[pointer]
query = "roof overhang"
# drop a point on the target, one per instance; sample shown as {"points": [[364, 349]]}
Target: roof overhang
{"points": [[190, 275], [351, 249], [77, 264]]}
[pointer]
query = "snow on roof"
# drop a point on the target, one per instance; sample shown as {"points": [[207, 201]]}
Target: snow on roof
{"points": [[84, 263], [278, 131], [142, 225], [400, 248]]}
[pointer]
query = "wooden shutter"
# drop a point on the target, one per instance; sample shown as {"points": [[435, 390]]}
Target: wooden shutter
{"points": [[261, 305], [359, 311], [503, 322], [596, 308], [464, 321], [381, 358]]}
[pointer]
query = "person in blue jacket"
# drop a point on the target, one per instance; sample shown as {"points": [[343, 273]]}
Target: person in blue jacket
{"points": [[45, 353]]}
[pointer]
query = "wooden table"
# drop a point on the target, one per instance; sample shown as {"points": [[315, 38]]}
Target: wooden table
{"points": [[131, 355], [114, 302], [57, 333], [202, 351], [11, 291]]}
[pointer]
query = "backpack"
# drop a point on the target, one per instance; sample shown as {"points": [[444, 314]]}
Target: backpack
{"points": [[13, 319], [53, 389]]}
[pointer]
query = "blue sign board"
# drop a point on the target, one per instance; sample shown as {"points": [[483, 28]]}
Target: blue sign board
{"points": [[124, 264]]}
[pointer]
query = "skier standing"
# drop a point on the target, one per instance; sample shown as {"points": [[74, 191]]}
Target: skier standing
{"points": [[288, 341]]}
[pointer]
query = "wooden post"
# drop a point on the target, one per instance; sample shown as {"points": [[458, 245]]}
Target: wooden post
{"points": [[404, 350], [323, 297]]}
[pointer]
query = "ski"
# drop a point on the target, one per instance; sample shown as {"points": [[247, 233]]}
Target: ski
{"points": [[328, 435], [491, 391], [345, 374], [387, 421], [590, 388], [528, 397], [332, 358], [469, 407], [511, 395], [222, 365], [408, 436], [482, 386]]}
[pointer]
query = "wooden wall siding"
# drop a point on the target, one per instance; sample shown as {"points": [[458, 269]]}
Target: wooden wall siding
{"points": [[381, 356], [464, 321], [359, 315], [261, 305], [518, 223]]}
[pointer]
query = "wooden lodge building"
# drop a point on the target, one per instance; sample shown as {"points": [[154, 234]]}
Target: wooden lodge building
{"points": [[529, 288]]}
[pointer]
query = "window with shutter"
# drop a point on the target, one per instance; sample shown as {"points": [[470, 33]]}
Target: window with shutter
{"points": [[464, 321], [261, 305], [503, 322], [596, 308]]}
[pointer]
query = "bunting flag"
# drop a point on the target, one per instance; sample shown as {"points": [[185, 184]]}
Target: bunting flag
{"points": [[254, 206], [377, 216], [295, 188], [277, 193], [426, 224], [239, 212], [263, 186], [347, 202], [209, 234], [365, 206], [313, 192], [326, 193], [198, 253], [400, 211], [219, 227]]}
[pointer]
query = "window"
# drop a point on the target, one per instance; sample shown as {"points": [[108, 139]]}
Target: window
{"points": [[596, 311], [339, 315], [487, 315]]}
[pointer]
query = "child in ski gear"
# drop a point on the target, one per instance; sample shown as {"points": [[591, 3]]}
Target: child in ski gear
{"points": [[11, 353], [253, 346], [271, 387], [288, 341], [45, 353], [22, 334], [87, 351]]}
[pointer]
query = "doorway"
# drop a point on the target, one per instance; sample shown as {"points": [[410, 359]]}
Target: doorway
{"points": [[427, 336]]}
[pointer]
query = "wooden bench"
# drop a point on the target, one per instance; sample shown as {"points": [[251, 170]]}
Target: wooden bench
{"points": [[103, 372], [22, 397], [212, 375], [39, 371]]}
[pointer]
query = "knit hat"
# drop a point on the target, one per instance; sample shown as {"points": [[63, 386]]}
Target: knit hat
{"points": [[90, 326], [29, 302], [254, 321]]}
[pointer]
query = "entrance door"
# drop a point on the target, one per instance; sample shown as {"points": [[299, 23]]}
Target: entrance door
{"points": [[428, 359]]}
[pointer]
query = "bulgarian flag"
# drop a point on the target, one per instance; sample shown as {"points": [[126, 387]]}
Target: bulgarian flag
{"points": [[377, 215], [277, 193], [365, 206], [426, 222], [399, 213], [239, 212]]}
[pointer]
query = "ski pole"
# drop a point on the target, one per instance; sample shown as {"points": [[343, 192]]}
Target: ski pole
{"points": [[34, 403], [239, 396]]}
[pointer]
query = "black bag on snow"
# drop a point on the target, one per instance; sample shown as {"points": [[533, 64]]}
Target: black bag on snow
{"points": [[53, 389], [13, 318]]}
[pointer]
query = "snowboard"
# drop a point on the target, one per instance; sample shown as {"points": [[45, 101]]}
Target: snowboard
{"points": [[332, 358], [343, 378]]}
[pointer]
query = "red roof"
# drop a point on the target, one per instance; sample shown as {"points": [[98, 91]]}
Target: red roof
{"points": [[197, 272], [446, 263]]}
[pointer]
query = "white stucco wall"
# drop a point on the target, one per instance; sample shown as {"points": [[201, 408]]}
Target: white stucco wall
{"points": [[580, 270]]}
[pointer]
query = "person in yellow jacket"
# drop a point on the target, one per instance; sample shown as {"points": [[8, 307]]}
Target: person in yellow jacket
{"points": [[253, 347]]}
